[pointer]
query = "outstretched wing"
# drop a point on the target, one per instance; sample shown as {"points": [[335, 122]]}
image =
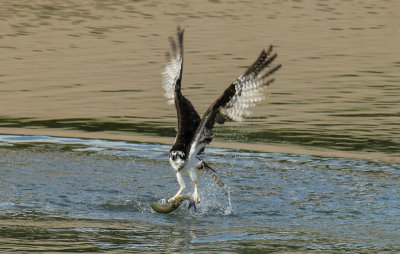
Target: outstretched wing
{"points": [[237, 101], [188, 118], [172, 74]]}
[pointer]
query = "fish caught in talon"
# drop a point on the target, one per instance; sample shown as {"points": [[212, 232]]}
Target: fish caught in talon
{"points": [[170, 206]]}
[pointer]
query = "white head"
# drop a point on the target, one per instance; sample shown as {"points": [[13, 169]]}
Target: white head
{"points": [[177, 159]]}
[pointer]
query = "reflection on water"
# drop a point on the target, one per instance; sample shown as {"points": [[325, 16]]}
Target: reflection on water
{"points": [[336, 141], [101, 61], [64, 194]]}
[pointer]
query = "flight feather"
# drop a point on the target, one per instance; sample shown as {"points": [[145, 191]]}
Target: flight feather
{"points": [[172, 73], [238, 100]]}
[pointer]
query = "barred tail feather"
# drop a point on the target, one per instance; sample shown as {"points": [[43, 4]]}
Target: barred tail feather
{"points": [[211, 172]]}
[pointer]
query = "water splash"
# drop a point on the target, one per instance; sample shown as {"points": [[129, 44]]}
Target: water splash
{"points": [[229, 209]]}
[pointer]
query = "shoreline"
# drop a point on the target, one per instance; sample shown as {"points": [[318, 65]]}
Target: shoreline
{"points": [[267, 148]]}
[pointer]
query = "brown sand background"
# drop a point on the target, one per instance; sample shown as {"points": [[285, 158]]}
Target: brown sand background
{"points": [[101, 60]]}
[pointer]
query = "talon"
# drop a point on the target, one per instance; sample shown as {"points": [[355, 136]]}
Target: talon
{"points": [[192, 204]]}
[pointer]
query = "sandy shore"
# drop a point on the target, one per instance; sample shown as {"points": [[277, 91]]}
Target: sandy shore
{"points": [[268, 148]]}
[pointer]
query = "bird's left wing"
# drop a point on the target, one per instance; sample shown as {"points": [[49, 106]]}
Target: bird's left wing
{"points": [[237, 101]]}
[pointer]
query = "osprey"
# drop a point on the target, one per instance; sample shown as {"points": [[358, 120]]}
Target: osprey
{"points": [[194, 133]]}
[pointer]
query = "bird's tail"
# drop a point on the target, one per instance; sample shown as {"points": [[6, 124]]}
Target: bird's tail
{"points": [[211, 171]]}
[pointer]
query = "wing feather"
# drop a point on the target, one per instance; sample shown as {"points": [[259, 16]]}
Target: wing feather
{"points": [[172, 72], [237, 101], [188, 118]]}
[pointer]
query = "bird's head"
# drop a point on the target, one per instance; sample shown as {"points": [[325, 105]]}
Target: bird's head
{"points": [[177, 159]]}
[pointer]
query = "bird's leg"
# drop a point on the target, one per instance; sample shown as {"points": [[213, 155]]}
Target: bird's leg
{"points": [[181, 186], [196, 196], [193, 176]]}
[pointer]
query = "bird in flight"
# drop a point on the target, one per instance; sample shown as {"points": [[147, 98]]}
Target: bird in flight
{"points": [[194, 133]]}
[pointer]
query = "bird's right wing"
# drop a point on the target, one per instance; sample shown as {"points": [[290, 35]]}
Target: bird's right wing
{"points": [[188, 118], [172, 74], [237, 101]]}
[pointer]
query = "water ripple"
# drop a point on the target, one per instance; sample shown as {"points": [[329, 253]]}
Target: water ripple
{"points": [[294, 201]]}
